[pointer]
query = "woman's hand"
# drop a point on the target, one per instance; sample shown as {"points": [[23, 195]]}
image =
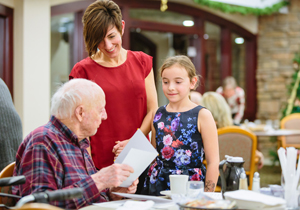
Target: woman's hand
{"points": [[119, 147]]}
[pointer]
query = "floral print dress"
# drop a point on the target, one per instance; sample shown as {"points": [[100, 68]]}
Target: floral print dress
{"points": [[180, 149]]}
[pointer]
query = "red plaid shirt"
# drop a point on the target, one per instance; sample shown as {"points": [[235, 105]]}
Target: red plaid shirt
{"points": [[51, 158]]}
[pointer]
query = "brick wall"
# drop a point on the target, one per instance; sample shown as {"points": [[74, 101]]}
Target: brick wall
{"points": [[278, 41]]}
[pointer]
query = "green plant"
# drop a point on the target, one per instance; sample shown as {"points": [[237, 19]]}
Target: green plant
{"points": [[227, 8], [274, 156]]}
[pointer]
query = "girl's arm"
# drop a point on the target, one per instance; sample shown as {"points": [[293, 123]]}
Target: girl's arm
{"points": [[151, 103], [208, 129]]}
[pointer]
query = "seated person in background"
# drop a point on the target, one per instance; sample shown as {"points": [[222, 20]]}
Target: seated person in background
{"points": [[220, 110], [10, 127], [235, 97], [195, 97], [218, 107], [54, 156]]}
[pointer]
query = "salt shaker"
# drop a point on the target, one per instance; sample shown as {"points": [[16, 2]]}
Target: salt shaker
{"points": [[256, 182], [243, 185]]}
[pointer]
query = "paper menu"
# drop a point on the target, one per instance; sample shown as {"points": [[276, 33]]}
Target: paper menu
{"points": [[138, 153]]}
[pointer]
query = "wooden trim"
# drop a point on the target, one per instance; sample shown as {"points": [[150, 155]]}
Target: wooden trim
{"points": [[7, 14], [126, 35], [188, 10], [225, 64], [162, 27], [251, 88], [79, 51], [200, 49]]}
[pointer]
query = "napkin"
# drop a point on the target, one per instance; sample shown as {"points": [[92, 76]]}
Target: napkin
{"points": [[253, 200], [291, 176]]}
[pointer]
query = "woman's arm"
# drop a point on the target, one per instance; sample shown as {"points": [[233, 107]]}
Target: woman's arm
{"points": [[207, 128], [153, 132], [151, 103]]}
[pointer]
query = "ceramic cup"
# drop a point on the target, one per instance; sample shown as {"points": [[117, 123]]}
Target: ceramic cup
{"points": [[178, 183]]}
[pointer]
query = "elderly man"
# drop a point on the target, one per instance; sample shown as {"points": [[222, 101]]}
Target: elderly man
{"points": [[54, 156]]}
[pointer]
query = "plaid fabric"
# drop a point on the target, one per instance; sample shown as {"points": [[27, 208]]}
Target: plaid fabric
{"points": [[51, 158]]}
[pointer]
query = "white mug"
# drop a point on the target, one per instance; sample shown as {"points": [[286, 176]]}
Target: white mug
{"points": [[178, 184]]}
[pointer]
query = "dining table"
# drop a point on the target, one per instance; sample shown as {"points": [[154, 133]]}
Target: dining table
{"points": [[160, 202], [278, 132], [117, 204], [112, 205]]}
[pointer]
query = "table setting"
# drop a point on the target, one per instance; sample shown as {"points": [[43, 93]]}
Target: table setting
{"points": [[189, 195], [269, 128]]}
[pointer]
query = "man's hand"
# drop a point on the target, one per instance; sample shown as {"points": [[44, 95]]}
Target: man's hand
{"points": [[119, 147], [111, 176], [131, 189]]}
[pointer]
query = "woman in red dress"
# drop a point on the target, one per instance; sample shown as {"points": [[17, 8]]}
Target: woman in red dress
{"points": [[125, 76]]}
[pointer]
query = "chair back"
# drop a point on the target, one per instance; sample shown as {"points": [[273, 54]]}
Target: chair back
{"points": [[38, 206], [291, 121], [7, 172], [237, 142]]}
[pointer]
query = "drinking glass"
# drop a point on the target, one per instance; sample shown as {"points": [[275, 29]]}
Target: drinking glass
{"points": [[276, 124], [269, 124], [194, 188]]}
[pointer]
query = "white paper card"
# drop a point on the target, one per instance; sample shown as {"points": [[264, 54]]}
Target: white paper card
{"points": [[138, 154], [138, 160]]}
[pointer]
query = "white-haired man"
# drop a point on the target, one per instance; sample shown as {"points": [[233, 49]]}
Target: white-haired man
{"points": [[54, 156]]}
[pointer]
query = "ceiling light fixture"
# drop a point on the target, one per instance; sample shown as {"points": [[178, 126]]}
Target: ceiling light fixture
{"points": [[188, 23], [239, 40]]}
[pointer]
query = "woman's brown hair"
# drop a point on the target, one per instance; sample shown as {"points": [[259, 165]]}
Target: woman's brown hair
{"points": [[97, 19]]}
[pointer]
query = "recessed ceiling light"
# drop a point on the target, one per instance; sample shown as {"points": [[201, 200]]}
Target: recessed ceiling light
{"points": [[205, 36], [239, 40], [188, 23]]}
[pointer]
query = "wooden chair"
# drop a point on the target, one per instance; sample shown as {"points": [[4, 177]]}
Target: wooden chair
{"points": [[7, 172], [237, 142], [291, 121], [38, 206]]}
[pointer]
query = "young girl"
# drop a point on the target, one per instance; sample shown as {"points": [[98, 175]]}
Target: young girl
{"points": [[182, 132]]}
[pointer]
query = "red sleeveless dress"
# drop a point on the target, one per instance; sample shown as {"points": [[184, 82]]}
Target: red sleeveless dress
{"points": [[126, 101]]}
